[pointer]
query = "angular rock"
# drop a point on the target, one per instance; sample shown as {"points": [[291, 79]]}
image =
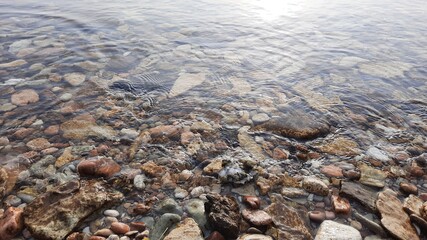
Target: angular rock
{"points": [[412, 205], [187, 229], [340, 205], [98, 167], [11, 223], [371, 176], [423, 211], [169, 205], [393, 217], [291, 222], [371, 225], [252, 201], [25, 97], [363, 194], [152, 169], [330, 230], [297, 125], [54, 214], [377, 154], [316, 186], [214, 167], [257, 217], [223, 214]]}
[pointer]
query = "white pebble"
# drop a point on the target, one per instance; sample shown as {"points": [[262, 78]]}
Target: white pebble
{"points": [[111, 213]]}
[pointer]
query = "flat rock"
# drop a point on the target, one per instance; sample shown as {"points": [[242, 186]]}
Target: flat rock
{"points": [[185, 82], [260, 118], [341, 146], [82, 129], [340, 205], [187, 229], [11, 223], [74, 79], [24, 97], [291, 222], [332, 171], [223, 214], [16, 63], [254, 237], [330, 230], [371, 176], [38, 144], [412, 205], [363, 194], [257, 217], [98, 167], [315, 185], [377, 154], [298, 125], [370, 224], [54, 215], [393, 217]]}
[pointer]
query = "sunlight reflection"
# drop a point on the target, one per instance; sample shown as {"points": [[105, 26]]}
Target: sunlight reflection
{"points": [[273, 9]]}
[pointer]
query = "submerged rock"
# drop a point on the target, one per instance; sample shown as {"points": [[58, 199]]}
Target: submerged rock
{"points": [[75, 79], [393, 217], [371, 176], [316, 186], [25, 97], [288, 220], [223, 214], [364, 195], [330, 230], [297, 125], [54, 214], [163, 224], [81, 129], [11, 223], [98, 167]]}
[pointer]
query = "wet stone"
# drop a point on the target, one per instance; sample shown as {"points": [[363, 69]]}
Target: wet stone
{"points": [[38, 144], [408, 188], [316, 186], [317, 216], [257, 217], [341, 205], [11, 223], [252, 201], [169, 205], [333, 230], [378, 154], [371, 176], [187, 229], [75, 79], [332, 171], [54, 214], [119, 228], [215, 236], [254, 237], [25, 97], [166, 221], [98, 167], [393, 218], [363, 194], [223, 214]]}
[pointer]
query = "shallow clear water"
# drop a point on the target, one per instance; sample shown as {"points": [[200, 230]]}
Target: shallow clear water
{"points": [[108, 72]]}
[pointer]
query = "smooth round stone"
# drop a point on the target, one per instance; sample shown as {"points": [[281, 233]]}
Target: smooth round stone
{"points": [[111, 213], [25, 197], [13, 200], [109, 220], [119, 228], [317, 216], [252, 201], [113, 237], [105, 232], [197, 191], [260, 118], [125, 238], [257, 217], [180, 193], [66, 97], [408, 188], [329, 215]]}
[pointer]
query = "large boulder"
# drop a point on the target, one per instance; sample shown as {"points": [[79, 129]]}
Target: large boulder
{"points": [[53, 215]]}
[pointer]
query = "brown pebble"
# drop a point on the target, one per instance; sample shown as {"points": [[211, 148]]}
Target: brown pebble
{"points": [[252, 201], [138, 226], [316, 216], [351, 174], [105, 232], [416, 171], [340, 205], [119, 228], [332, 171], [423, 196], [408, 188], [52, 130], [141, 209], [215, 236], [330, 215], [97, 238]]}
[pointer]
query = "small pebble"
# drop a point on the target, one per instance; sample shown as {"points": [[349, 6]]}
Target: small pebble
{"points": [[119, 228], [317, 216], [111, 213]]}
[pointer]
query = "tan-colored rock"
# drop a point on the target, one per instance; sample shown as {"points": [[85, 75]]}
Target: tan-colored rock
{"points": [[22, 133], [342, 147], [412, 205], [75, 79], [315, 185], [52, 130], [252, 201], [11, 223], [167, 131], [25, 97], [408, 188], [16, 63], [187, 138], [82, 129], [254, 237], [66, 157], [423, 211], [104, 232], [38, 144], [187, 229], [371, 176], [214, 167], [393, 217]]}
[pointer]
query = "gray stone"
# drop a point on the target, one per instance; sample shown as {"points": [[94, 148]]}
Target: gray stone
{"points": [[138, 181], [375, 153], [260, 118], [371, 225], [363, 194], [330, 230], [196, 209], [169, 205]]}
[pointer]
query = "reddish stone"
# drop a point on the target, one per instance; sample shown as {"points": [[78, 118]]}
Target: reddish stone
{"points": [[119, 228], [317, 216], [22, 133], [52, 130], [423, 196], [164, 131], [340, 205], [408, 188], [11, 223], [252, 201], [257, 217], [97, 238], [98, 167], [332, 171], [138, 226], [279, 154], [416, 171], [351, 174], [25, 97], [38, 144], [187, 138], [215, 236], [141, 209], [76, 236], [152, 169]]}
